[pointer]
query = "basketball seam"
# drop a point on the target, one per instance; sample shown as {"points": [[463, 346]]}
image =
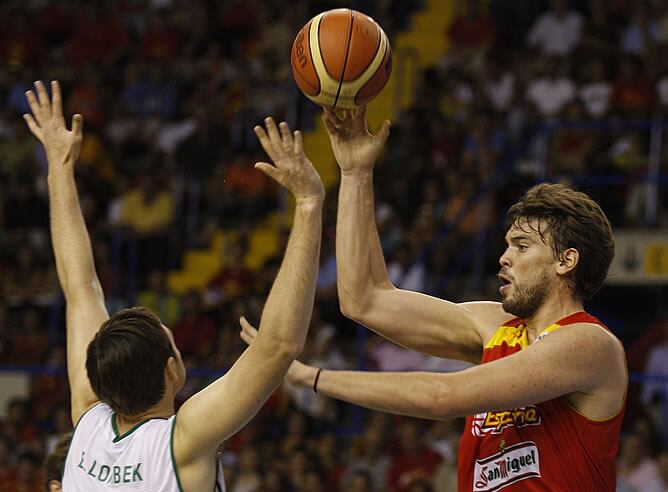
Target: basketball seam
{"points": [[380, 40], [345, 60], [308, 82], [310, 54]]}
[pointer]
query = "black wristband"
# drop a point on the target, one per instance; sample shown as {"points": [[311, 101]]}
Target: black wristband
{"points": [[315, 381]]}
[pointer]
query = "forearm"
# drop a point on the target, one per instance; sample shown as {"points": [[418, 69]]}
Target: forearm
{"points": [[360, 265], [416, 394], [287, 312], [69, 236]]}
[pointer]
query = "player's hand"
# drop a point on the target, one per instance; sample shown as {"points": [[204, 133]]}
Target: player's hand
{"points": [[355, 148], [291, 168], [47, 123], [298, 374], [248, 332]]}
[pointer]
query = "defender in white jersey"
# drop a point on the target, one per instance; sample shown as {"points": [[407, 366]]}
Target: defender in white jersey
{"points": [[125, 370]]}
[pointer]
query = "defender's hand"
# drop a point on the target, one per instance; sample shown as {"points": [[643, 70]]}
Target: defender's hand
{"points": [[47, 123], [298, 374], [355, 148], [291, 168]]}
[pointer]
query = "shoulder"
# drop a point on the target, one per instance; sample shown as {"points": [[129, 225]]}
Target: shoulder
{"points": [[593, 343], [95, 411]]}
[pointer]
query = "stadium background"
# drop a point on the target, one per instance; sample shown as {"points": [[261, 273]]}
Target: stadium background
{"points": [[486, 98]]}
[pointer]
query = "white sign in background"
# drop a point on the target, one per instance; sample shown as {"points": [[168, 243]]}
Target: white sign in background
{"points": [[641, 257]]}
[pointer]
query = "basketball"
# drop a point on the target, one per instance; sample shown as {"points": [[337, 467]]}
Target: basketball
{"points": [[341, 59]]}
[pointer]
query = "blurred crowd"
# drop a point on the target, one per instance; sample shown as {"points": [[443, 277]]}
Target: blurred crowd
{"points": [[170, 91]]}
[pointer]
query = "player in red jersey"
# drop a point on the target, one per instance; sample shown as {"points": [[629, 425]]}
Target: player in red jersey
{"points": [[546, 396]]}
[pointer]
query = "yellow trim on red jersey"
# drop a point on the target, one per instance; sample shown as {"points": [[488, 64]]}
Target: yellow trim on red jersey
{"points": [[512, 335]]}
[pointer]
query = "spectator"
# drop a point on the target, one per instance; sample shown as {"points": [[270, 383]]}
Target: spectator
{"points": [[55, 462], [471, 34], [248, 478], [360, 481], [641, 33], [161, 40], [235, 279], [412, 461], [550, 92], [31, 341], [148, 212], [152, 94], [499, 85], [248, 192], [558, 31], [654, 391], [98, 36], [636, 467], [368, 468], [597, 91], [571, 147], [29, 281], [632, 92], [158, 298], [195, 332]]}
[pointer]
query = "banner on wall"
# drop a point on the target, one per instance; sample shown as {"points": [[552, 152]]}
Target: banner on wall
{"points": [[641, 257]]}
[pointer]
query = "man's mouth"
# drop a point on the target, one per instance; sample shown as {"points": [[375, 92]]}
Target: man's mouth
{"points": [[505, 283]]}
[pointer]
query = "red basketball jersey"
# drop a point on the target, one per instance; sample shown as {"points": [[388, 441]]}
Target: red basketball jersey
{"points": [[548, 446]]}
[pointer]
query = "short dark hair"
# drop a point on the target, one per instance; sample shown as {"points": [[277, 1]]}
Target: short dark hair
{"points": [[55, 462], [576, 221], [126, 361]]}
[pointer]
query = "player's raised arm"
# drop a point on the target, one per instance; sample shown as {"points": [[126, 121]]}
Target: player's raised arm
{"points": [[225, 406], [69, 237], [411, 319]]}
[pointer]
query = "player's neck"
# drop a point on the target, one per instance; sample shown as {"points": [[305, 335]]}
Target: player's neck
{"points": [[162, 410], [557, 306]]}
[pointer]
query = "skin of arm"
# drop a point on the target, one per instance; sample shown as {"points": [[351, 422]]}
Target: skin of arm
{"points": [[579, 360], [221, 409], [411, 319], [86, 310]]}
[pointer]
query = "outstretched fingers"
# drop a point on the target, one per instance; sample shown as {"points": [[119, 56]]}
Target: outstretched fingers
{"points": [[77, 125], [384, 131], [286, 136], [56, 100], [33, 126], [34, 106], [299, 142], [248, 332], [77, 133], [274, 137], [43, 98]]}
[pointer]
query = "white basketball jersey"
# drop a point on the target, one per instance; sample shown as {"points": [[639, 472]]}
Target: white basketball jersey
{"points": [[141, 460]]}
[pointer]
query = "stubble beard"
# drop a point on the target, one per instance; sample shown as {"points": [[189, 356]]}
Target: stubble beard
{"points": [[527, 299]]}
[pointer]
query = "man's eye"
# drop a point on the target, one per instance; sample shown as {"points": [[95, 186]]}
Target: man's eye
{"points": [[522, 247]]}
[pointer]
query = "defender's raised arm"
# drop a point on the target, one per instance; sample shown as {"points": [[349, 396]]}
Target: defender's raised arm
{"points": [[71, 245], [225, 406]]}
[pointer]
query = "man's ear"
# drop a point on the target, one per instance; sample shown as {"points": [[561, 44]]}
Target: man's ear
{"points": [[568, 261], [171, 369], [55, 486]]}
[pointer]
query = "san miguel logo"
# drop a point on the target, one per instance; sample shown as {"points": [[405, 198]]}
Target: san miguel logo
{"points": [[496, 422], [517, 462]]}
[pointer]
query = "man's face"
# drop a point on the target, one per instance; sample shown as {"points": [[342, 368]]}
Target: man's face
{"points": [[527, 269]]}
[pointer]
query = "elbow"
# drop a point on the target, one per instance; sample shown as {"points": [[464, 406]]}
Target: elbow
{"points": [[350, 307], [288, 350], [357, 305]]}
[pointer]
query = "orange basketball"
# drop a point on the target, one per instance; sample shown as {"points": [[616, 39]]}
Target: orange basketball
{"points": [[341, 59]]}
